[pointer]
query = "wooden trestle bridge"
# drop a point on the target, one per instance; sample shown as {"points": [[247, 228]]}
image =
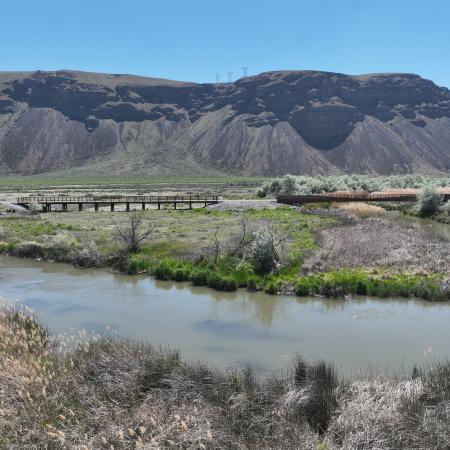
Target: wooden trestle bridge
{"points": [[81, 203], [350, 197]]}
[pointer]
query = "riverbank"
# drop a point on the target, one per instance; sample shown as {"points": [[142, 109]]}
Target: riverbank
{"points": [[104, 393], [201, 245], [212, 247]]}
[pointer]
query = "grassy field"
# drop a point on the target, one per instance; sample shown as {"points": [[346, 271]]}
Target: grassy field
{"points": [[197, 246], [179, 240], [80, 393], [49, 182]]}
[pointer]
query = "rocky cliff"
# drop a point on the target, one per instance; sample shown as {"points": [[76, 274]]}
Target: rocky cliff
{"points": [[301, 122]]}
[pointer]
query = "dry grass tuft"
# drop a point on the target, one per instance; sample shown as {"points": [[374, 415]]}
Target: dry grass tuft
{"points": [[123, 395], [378, 242], [360, 209]]}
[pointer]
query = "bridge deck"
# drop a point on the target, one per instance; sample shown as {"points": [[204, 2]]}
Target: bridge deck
{"points": [[350, 197], [97, 201]]}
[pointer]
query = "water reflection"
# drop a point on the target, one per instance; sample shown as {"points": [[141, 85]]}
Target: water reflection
{"points": [[232, 327]]}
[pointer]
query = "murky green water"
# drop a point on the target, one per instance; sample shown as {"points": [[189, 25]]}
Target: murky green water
{"points": [[232, 328]]}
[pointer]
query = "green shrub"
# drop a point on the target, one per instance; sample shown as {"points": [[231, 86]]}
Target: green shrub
{"points": [[289, 184], [346, 281], [228, 284], [30, 250], [428, 201], [165, 270], [200, 277], [242, 272], [252, 284], [181, 274], [265, 250], [309, 285], [221, 282], [138, 264], [272, 287]]}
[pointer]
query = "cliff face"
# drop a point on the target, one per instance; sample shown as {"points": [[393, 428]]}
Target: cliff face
{"points": [[287, 121]]}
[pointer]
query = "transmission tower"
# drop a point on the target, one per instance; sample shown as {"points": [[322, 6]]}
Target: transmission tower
{"points": [[230, 76], [245, 70]]}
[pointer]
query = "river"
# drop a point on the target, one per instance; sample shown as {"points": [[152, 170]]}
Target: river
{"points": [[238, 328]]}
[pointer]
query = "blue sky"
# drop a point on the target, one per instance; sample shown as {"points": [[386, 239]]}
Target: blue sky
{"points": [[193, 40]]}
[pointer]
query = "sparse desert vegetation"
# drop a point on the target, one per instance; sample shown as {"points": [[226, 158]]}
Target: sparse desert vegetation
{"points": [[111, 393], [290, 184]]}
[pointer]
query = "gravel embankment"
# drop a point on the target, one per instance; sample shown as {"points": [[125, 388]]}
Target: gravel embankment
{"points": [[242, 205]]}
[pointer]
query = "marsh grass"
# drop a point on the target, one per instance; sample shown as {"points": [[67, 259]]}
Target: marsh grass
{"points": [[113, 393], [374, 283]]}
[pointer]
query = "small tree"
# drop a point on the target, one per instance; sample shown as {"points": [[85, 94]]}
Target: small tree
{"points": [[265, 250], [132, 232], [428, 201]]}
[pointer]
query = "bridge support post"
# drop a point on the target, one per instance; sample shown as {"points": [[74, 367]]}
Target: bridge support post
{"points": [[159, 205], [143, 206], [96, 206], [112, 207], [190, 202], [174, 204], [128, 207], [44, 208], [49, 206], [80, 206], [64, 207]]}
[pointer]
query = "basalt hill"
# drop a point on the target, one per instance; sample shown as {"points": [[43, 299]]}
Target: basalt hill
{"points": [[300, 122]]}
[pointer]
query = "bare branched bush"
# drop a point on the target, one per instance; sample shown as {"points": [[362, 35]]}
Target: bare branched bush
{"points": [[133, 232], [235, 246], [238, 244]]}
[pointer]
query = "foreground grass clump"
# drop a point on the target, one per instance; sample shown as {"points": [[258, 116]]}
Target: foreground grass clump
{"points": [[124, 395], [363, 282]]}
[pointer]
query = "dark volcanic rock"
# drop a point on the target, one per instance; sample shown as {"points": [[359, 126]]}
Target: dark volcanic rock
{"points": [[275, 122], [325, 126]]}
